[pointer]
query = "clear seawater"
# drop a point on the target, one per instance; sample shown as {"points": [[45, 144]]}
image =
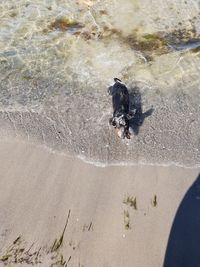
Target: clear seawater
{"points": [[57, 59]]}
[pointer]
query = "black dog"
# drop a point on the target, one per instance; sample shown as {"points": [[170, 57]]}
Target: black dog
{"points": [[121, 114]]}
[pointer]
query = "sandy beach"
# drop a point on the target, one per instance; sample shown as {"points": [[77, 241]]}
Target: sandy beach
{"points": [[72, 194], [60, 211]]}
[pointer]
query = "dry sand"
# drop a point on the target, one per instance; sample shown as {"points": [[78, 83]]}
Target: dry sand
{"points": [[119, 216]]}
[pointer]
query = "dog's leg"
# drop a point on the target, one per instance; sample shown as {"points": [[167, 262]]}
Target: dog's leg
{"points": [[128, 134], [110, 89]]}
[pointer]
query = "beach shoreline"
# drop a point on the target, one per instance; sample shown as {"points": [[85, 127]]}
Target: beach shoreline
{"points": [[73, 194], [119, 215]]}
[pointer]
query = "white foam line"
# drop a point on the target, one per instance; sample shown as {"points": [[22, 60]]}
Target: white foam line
{"points": [[99, 163], [140, 163]]}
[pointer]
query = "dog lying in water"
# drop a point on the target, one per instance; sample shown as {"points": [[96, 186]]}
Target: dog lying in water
{"points": [[121, 113]]}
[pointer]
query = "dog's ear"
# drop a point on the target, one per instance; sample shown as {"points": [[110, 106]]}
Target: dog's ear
{"points": [[110, 90]]}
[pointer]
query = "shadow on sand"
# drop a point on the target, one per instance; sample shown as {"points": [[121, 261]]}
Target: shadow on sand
{"points": [[183, 249], [136, 107]]}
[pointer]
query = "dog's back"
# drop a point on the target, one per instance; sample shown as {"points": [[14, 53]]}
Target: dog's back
{"points": [[120, 102], [120, 97]]}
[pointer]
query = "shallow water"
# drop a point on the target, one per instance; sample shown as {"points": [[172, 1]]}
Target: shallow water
{"points": [[57, 59]]}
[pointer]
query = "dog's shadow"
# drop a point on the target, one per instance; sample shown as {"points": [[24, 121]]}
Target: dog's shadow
{"points": [[135, 107]]}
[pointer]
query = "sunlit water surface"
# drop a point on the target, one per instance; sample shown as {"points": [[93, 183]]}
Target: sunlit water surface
{"points": [[57, 59]]}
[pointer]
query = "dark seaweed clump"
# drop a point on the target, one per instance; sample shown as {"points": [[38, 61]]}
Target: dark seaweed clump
{"points": [[64, 24], [147, 43]]}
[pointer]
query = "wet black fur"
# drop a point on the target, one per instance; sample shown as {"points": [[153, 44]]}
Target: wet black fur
{"points": [[120, 103]]}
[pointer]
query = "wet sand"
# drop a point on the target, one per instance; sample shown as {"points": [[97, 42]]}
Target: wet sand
{"points": [[114, 216]]}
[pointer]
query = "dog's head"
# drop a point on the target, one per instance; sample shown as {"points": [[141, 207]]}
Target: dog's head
{"points": [[121, 124]]}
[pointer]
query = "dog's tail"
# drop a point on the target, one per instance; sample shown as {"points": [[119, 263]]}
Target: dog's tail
{"points": [[117, 80]]}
